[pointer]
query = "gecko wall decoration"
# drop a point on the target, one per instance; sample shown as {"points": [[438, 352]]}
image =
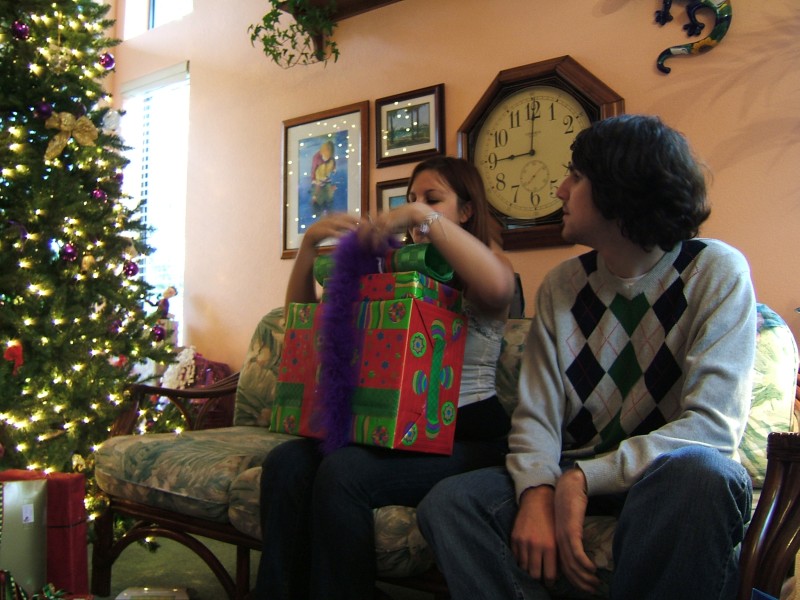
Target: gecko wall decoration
{"points": [[722, 21]]}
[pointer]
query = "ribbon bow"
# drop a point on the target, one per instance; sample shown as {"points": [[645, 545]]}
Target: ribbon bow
{"points": [[82, 129], [13, 354]]}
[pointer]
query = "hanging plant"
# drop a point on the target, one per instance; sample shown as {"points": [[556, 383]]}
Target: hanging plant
{"points": [[297, 32]]}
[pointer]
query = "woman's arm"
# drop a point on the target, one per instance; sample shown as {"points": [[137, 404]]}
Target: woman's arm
{"points": [[301, 287], [486, 272]]}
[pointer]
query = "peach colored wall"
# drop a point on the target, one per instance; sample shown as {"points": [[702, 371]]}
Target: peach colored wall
{"points": [[737, 104]]}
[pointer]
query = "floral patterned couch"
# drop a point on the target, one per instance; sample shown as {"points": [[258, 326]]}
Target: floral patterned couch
{"points": [[207, 481]]}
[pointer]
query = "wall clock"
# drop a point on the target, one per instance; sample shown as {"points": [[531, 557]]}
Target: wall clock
{"points": [[519, 136]]}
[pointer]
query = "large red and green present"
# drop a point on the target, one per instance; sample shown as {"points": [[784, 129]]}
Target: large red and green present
{"points": [[409, 375]]}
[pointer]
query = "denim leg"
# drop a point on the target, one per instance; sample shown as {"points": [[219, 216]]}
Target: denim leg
{"points": [[354, 480], [286, 481], [680, 527], [467, 520]]}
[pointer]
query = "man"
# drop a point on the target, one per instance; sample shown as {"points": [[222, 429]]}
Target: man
{"points": [[634, 394]]}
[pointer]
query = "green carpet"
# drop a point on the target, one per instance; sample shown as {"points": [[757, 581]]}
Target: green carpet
{"points": [[173, 566]]}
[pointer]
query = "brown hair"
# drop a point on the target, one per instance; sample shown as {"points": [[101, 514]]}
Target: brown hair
{"points": [[464, 179]]}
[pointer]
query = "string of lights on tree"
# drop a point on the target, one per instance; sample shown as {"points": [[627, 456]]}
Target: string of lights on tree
{"points": [[74, 329]]}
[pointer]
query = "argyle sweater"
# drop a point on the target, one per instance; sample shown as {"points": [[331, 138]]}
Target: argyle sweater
{"points": [[616, 373]]}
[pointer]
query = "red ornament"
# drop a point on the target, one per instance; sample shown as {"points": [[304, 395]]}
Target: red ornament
{"points": [[13, 354], [99, 194]]}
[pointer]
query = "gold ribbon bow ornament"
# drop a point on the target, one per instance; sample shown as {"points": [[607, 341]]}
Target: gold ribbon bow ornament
{"points": [[81, 128]]}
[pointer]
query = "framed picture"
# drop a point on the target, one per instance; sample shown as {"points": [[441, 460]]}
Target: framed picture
{"points": [[409, 127], [324, 169], [391, 194]]}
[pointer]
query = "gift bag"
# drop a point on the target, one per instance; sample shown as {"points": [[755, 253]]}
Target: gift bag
{"points": [[23, 533], [66, 529]]}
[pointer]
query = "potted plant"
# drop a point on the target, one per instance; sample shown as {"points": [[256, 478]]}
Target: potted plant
{"points": [[297, 32]]}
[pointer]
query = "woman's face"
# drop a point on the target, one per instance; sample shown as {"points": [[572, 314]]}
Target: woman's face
{"points": [[430, 188]]}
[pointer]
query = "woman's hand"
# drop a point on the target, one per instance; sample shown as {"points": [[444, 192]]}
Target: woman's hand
{"points": [[333, 225], [301, 287]]}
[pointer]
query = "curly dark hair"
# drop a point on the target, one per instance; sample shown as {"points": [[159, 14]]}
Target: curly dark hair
{"points": [[465, 180], [645, 176]]}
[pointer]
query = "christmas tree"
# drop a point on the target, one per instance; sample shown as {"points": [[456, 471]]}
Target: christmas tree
{"points": [[74, 324]]}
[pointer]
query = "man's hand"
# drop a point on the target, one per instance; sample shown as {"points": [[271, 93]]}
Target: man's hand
{"points": [[533, 539], [570, 512]]}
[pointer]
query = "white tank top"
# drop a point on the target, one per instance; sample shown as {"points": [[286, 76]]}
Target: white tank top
{"points": [[482, 349]]}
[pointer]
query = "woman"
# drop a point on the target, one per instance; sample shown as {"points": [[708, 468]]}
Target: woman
{"points": [[316, 511]]}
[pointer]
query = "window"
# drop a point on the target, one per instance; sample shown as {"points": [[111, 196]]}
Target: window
{"points": [[156, 127], [141, 15]]}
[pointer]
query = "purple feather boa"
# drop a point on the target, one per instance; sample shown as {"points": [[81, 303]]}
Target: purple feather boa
{"points": [[340, 344]]}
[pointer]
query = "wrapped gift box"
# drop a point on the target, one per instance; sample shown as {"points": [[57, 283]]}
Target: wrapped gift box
{"points": [[23, 531], [409, 375], [66, 528], [408, 284]]}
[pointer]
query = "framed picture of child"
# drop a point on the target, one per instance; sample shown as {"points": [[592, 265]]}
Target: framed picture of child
{"points": [[324, 169]]}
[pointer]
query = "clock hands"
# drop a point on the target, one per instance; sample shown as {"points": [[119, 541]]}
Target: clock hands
{"points": [[530, 152]]}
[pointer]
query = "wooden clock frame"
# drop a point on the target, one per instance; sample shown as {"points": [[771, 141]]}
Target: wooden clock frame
{"points": [[598, 100]]}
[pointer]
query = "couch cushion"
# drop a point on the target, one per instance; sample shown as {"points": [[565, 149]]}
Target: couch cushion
{"points": [[774, 383], [259, 373], [190, 473]]}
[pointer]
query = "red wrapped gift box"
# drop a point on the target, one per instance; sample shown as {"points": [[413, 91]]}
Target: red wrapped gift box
{"points": [[67, 542], [409, 378]]}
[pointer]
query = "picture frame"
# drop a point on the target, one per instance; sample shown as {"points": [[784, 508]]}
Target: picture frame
{"points": [[396, 143], [391, 194], [324, 169]]}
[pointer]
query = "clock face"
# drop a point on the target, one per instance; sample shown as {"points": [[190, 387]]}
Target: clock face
{"points": [[522, 150]]}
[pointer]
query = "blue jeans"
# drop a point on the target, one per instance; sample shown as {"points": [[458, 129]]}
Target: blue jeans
{"points": [[316, 512], [677, 536]]}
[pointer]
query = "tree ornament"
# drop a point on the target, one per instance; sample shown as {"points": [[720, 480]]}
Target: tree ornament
{"points": [[115, 326], [111, 121], [82, 129], [20, 30], [59, 59], [130, 269], [107, 61], [68, 253], [100, 195], [87, 263], [13, 354], [42, 110], [159, 333]]}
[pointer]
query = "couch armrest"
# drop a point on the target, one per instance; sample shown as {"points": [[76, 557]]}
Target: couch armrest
{"points": [[181, 398], [773, 536]]}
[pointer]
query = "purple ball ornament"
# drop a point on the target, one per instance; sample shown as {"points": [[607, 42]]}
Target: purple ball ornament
{"points": [[99, 195], [68, 253], [20, 30], [159, 333], [115, 326], [42, 110], [130, 269], [107, 61]]}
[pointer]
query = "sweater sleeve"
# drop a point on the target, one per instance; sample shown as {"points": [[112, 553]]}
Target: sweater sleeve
{"points": [[717, 382], [535, 437]]}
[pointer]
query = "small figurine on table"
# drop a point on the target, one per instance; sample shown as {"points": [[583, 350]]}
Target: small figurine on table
{"points": [[162, 306]]}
